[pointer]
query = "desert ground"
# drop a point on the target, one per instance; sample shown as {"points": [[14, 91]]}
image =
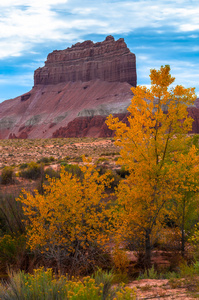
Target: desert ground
{"points": [[14, 153]]}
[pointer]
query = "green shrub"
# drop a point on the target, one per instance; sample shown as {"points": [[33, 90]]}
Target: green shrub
{"points": [[77, 159], [7, 175], [105, 278], [23, 166], [74, 170], [11, 214], [101, 159], [51, 173], [33, 171], [149, 274], [12, 252], [153, 274], [46, 160], [45, 285]]}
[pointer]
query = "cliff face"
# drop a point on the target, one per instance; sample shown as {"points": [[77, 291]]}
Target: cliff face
{"points": [[109, 61], [47, 108], [93, 126], [73, 93]]}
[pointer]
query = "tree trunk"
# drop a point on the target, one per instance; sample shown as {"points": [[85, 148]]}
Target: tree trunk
{"points": [[148, 249], [182, 231], [183, 243]]}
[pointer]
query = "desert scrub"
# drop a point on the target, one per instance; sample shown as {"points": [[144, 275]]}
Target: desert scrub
{"points": [[45, 285], [7, 175], [23, 166], [13, 252], [50, 172], [46, 160], [149, 274], [75, 170], [33, 171], [101, 160]]}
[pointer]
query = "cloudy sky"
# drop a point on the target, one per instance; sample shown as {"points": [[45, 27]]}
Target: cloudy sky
{"points": [[159, 33]]}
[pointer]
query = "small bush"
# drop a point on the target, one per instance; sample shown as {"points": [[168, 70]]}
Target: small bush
{"points": [[149, 274], [7, 175], [23, 166], [11, 215], [105, 278], [12, 252], [33, 171], [101, 159], [51, 173], [74, 170], [120, 260], [45, 285], [46, 160], [78, 159]]}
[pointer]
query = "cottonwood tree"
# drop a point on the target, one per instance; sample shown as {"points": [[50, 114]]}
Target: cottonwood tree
{"points": [[185, 206], [155, 136], [69, 222]]}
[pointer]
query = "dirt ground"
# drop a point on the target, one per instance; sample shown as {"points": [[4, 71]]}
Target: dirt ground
{"points": [[16, 152], [161, 289]]}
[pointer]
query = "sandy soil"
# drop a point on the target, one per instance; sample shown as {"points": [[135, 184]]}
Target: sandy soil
{"points": [[160, 289]]}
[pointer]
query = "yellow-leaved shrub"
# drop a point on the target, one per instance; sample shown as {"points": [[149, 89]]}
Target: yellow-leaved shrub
{"points": [[70, 222]]}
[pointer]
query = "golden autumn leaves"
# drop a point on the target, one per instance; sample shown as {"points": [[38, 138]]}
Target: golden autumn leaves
{"points": [[163, 171], [154, 148], [71, 211]]}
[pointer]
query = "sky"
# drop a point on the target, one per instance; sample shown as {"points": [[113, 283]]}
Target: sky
{"points": [[158, 32]]}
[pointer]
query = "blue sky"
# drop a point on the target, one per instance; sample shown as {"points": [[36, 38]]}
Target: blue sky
{"points": [[159, 33]]}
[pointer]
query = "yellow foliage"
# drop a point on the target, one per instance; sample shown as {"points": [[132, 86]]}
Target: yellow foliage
{"points": [[120, 259], [71, 214], [153, 150]]}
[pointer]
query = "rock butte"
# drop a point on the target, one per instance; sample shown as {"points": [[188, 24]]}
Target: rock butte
{"points": [[74, 93]]}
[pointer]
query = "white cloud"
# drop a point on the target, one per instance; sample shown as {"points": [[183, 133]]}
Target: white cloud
{"points": [[29, 22], [36, 3], [22, 80], [6, 50], [28, 25], [186, 73], [193, 36], [189, 27]]}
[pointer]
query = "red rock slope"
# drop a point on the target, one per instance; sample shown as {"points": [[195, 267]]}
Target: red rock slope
{"points": [[73, 93]]}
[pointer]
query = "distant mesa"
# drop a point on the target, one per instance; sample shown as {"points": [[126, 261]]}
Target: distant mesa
{"points": [[74, 93], [109, 61]]}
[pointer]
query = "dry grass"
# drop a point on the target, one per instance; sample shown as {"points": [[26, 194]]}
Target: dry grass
{"points": [[15, 152]]}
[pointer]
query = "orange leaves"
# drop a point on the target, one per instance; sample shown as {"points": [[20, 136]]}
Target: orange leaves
{"points": [[160, 81], [154, 150], [70, 210]]}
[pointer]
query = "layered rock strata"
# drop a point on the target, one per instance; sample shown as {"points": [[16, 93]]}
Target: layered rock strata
{"points": [[73, 93], [51, 107], [109, 61]]}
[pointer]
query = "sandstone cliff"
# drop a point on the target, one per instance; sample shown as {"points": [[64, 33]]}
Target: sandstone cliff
{"points": [[109, 61], [74, 92]]}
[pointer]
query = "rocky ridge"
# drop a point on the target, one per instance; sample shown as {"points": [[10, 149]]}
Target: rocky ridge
{"points": [[109, 60], [73, 93]]}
